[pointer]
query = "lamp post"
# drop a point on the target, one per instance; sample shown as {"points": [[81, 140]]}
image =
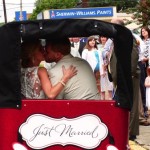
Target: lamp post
{"points": [[21, 10], [5, 15]]}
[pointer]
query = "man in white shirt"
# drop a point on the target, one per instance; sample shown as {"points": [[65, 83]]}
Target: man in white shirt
{"points": [[77, 46]]}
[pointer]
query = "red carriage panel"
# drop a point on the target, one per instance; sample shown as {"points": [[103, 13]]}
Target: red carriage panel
{"points": [[63, 124]]}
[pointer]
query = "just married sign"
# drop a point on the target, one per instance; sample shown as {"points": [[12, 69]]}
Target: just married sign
{"points": [[41, 131]]}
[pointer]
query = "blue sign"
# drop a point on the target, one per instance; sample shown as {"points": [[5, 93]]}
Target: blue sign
{"points": [[81, 13], [19, 17]]}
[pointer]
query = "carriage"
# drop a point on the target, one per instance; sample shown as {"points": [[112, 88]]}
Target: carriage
{"points": [[63, 124]]}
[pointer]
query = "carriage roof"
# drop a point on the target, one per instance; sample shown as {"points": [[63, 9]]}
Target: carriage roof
{"points": [[10, 46]]}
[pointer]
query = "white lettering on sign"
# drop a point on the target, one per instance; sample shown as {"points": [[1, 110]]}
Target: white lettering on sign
{"points": [[41, 131], [85, 13], [65, 14], [104, 12]]}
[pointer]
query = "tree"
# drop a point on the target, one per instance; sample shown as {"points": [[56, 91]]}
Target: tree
{"points": [[121, 5], [42, 5], [143, 13], [85, 3]]}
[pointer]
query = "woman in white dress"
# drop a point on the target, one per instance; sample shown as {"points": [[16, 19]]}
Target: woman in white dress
{"points": [[106, 85], [147, 85], [34, 77], [94, 58]]}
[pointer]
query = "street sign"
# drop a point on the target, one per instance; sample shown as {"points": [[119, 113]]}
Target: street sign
{"points": [[19, 17]]}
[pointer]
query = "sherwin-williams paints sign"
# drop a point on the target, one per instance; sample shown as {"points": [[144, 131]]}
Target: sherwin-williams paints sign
{"points": [[81, 13]]}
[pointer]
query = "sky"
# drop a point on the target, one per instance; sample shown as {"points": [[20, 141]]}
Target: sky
{"points": [[14, 5]]}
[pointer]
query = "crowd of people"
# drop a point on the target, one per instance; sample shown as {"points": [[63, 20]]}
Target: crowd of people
{"points": [[91, 50], [84, 69]]}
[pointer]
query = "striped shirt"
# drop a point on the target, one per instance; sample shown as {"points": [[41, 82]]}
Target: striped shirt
{"points": [[147, 47]]}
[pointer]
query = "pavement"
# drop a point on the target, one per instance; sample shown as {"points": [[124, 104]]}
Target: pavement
{"points": [[142, 141]]}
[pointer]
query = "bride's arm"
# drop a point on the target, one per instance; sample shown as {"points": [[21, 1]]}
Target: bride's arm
{"points": [[52, 91]]}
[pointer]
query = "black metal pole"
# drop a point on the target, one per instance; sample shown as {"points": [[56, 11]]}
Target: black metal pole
{"points": [[4, 7], [21, 10]]}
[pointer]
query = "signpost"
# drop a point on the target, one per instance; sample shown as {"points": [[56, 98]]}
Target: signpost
{"points": [[5, 14]]}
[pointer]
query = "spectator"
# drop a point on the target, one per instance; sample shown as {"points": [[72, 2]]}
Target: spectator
{"points": [[106, 85], [147, 85], [78, 44], [143, 63], [74, 47], [134, 115], [94, 58], [145, 35]]}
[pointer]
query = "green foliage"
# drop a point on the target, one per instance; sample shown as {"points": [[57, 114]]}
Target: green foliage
{"points": [[143, 12], [120, 4], [1, 24], [42, 5]]}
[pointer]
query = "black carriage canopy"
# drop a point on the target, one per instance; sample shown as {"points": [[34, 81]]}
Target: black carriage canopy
{"points": [[10, 47]]}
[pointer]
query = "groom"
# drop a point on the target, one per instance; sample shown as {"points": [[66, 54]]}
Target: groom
{"points": [[81, 86]]}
